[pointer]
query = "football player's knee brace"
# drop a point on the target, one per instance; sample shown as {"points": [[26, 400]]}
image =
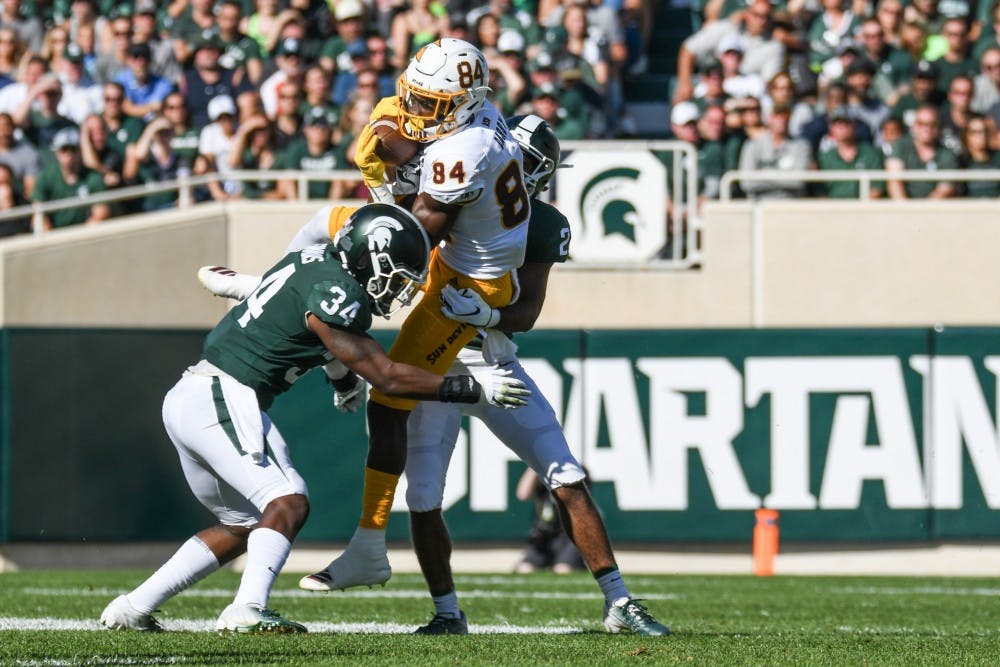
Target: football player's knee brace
{"points": [[424, 496], [563, 473]]}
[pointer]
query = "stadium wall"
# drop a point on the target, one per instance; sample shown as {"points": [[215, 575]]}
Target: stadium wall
{"points": [[688, 419]]}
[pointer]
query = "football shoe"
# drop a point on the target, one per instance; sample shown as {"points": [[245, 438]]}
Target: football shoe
{"points": [[121, 615], [627, 614], [445, 625], [363, 563], [252, 619], [223, 281]]}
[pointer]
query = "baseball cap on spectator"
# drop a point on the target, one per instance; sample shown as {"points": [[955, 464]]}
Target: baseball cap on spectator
{"points": [[925, 70], [120, 10], [140, 50], [712, 67], [289, 46], [543, 61], [319, 116], [73, 53], [848, 47], [510, 41], [357, 49], [684, 113], [208, 39], [547, 89], [730, 42], [221, 105], [66, 137], [860, 65], [348, 9], [839, 113]]}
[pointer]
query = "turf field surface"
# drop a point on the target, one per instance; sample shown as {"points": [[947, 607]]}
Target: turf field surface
{"points": [[50, 618]]}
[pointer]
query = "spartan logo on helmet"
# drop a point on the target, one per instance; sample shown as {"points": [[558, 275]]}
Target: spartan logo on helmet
{"points": [[380, 232], [386, 250]]}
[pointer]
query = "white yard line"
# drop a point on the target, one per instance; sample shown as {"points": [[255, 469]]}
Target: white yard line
{"points": [[320, 627], [919, 590], [414, 594]]}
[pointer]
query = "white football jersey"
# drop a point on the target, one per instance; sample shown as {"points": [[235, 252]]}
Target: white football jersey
{"points": [[480, 167]]}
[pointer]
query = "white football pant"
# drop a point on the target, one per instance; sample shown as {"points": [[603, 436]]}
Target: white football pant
{"points": [[218, 430], [531, 432]]}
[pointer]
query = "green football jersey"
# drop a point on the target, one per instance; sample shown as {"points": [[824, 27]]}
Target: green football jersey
{"points": [[548, 234], [264, 342], [548, 241]]}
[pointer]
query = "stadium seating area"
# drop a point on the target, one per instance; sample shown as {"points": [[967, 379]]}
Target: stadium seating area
{"points": [[97, 95]]}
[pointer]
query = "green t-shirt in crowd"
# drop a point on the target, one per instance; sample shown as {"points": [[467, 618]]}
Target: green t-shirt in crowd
{"points": [[867, 158], [50, 186]]}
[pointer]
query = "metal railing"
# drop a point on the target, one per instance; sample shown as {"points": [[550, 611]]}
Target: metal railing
{"points": [[864, 179], [684, 235], [184, 186]]}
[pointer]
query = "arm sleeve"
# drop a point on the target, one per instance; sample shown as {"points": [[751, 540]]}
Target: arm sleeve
{"points": [[315, 231]]}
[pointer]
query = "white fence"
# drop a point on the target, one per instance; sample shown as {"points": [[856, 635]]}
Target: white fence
{"points": [[586, 194], [864, 179]]}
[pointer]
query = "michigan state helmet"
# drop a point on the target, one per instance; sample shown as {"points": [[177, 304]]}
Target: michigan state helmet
{"points": [[441, 90], [387, 251], [541, 150]]}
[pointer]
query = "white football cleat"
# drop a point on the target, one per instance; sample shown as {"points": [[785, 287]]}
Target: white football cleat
{"points": [[121, 615], [364, 563], [223, 281], [250, 618]]}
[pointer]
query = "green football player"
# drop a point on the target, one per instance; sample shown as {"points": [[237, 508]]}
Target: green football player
{"points": [[312, 308]]}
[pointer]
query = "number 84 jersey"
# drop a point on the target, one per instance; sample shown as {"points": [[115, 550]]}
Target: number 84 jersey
{"points": [[265, 343], [479, 167]]}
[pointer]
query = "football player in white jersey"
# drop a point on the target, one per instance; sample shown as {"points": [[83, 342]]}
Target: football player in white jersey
{"points": [[534, 433], [470, 196]]}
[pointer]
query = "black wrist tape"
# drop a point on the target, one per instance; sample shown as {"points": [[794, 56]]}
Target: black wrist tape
{"points": [[346, 383], [459, 389]]}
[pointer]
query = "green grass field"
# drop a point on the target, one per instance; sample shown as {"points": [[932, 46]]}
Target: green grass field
{"points": [[50, 618]]}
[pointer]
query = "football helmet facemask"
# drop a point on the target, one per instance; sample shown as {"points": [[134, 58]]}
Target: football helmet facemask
{"points": [[540, 147], [441, 90], [387, 251]]}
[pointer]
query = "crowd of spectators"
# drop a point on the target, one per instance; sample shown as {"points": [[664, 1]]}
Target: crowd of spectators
{"points": [[102, 94], [843, 85]]}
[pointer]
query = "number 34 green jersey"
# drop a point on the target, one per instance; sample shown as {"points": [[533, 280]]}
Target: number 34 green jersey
{"points": [[265, 343]]}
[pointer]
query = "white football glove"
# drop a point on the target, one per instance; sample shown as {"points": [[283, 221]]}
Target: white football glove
{"points": [[500, 389], [350, 400], [465, 305], [347, 386]]}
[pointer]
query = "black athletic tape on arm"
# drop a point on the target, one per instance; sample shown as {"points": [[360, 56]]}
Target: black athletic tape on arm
{"points": [[459, 389], [344, 384]]}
